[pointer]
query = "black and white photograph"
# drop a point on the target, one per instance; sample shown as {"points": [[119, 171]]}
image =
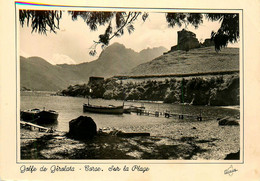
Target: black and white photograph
{"points": [[129, 84], [115, 90]]}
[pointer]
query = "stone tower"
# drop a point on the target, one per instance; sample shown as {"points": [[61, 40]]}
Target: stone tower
{"points": [[186, 40]]}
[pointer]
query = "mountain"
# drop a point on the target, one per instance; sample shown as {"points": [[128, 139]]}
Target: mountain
{"points": [[151, 53], [116, 59], [196, 60], [38, 74]]}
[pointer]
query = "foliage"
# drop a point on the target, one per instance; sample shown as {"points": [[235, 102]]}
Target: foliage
{"points": [[97, 88], [173, 19], [228, 31], [40, 20], [76, 91], [196, 91]]}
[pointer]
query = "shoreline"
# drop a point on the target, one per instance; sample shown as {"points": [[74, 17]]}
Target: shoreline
{"points": [[235, 107], [52, 93], [187, 141]]}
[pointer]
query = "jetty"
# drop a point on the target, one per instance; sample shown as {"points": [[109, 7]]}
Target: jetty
{"points": [[168, 114], [35, 126]]}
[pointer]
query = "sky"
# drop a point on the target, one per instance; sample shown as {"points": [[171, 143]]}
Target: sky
{"points": [[71, 44]]}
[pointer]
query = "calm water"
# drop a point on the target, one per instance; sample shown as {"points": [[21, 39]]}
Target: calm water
{"points": [[71, 107]]}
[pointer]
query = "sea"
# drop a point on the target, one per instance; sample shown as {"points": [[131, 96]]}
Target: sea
{"points": [[72, 107]]}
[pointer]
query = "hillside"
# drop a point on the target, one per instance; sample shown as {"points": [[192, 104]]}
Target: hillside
{"points": [[213, 88], [38, 74], [196, 60]]}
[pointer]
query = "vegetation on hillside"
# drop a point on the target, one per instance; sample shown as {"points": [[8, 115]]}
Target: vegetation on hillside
{"points": [[196, 91]]}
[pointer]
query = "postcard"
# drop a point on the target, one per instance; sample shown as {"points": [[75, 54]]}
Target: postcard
{"points": [[129, 91]]}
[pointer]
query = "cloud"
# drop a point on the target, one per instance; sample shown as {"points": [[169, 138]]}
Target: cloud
{"points": [[61, 59], [24, 54]]}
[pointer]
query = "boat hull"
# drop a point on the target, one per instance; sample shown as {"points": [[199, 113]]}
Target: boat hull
{"points": [[30, 115], [103, 109], [47, 116], [39, 116]]}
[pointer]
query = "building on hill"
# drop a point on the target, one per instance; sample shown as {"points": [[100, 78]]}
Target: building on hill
{"points": [[95, 79], [208, 42], [185, 36], [187, 40]]}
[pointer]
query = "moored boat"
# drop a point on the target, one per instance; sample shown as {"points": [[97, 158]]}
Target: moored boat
{"points": [[111, 109], [48, 116], [40, 116], [30, 114]]}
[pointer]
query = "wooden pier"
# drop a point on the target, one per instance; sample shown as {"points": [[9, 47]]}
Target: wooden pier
{"points": [[35, 126], [167, 114]]}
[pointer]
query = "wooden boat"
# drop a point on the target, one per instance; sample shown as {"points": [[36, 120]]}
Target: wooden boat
{"points": [[37, 115], [48, 116], [103, 109], [30, 115]]}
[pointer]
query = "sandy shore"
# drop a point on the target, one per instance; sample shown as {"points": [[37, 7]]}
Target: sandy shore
{"points": [[192, 140]]}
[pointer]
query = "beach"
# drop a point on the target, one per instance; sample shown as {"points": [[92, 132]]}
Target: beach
{"points": [[172, 140]]}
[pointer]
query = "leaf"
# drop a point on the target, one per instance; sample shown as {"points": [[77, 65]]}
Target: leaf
{"points": [[119, 19], [92, 52], [130, 28], [145, 16]]}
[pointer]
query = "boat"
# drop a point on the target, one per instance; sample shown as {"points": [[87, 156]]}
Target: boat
{"points": [[30, 115], [111, 109], [47, 116], [39, 116]]}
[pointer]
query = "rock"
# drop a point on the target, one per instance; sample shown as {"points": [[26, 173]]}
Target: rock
{"points": [[228, 121], [82, 127], [233, 156], [227, 94]]}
